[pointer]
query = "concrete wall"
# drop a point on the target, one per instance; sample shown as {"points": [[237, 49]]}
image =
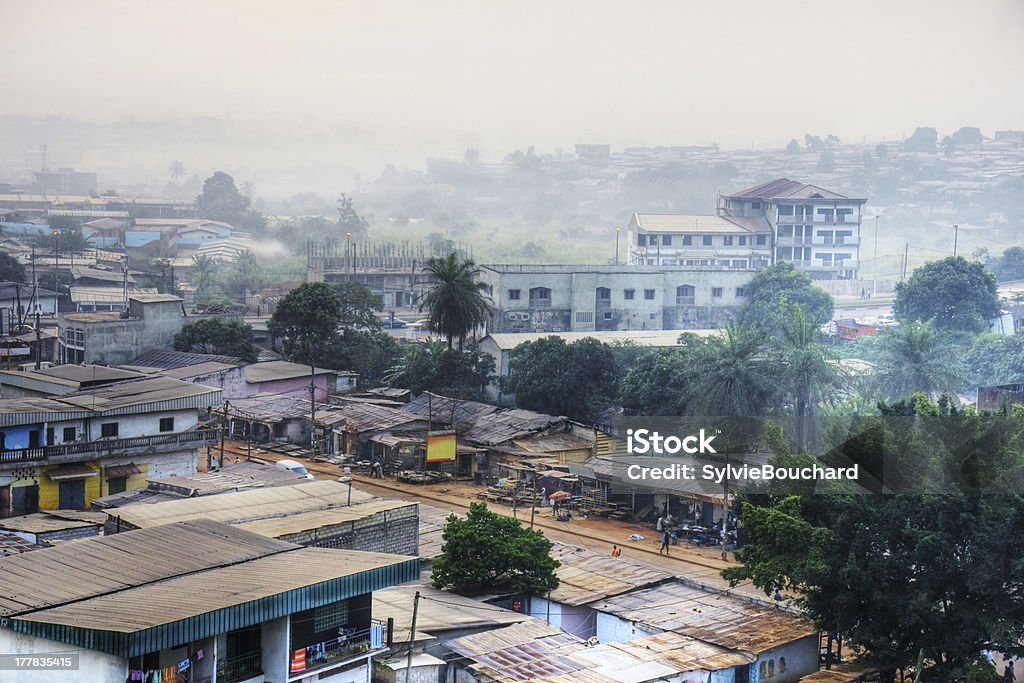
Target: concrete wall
{"points": [[95, 667], [276, 638], [574, 305], [612, 629], [230, 381], [801, 659], [295, 386], [390, 531], [578, 620]]}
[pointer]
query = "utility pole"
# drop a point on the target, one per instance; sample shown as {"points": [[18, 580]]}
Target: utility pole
{"points": [[533, 506], [906, 255], [412, 635], [956, 237], [39, 342], [725, 508], [876, 243], [223, 425], [618, 231], [312, 413]]}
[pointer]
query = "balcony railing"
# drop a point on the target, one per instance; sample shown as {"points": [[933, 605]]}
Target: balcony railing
{"points": [[71, 452], [345, 647], [240, 668], [540, 303], [684, 300], [836, 241]]}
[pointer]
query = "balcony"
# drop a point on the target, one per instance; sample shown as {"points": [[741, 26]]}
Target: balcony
{"points": [[794, 241], [352, 645], [240, 668], [685, 300], [89, 450], [836, 241], [540, 303]]}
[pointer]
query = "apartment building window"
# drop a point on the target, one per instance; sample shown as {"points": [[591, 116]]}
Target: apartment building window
{"points": [[629, 294], [716, 292], [785, 231], [743, 240], [727, 240], [649, 294], [687, 240], [842, 256], [69, 435], [641, 240], [741, 292], [762, 240], [827, 214], [843, 214], [117, 485], [108, 429], [652, 240], [706, 241], [33, 438], [826, 259], [584, 317], [604, 294], [513, 295], [739, 263], [166, 424], [685, 295], [756, 206], [608, 316], [666, 240], [540, 296], [786, 210], [50, 436]]}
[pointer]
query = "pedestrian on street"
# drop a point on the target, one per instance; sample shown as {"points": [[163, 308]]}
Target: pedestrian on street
{"points": [[1008, 675], [665, 538], [616, 551]]}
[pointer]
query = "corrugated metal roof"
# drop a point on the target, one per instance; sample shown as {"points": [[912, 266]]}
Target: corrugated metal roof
{"points": [[274, 370], [207, 368], [482, 423], [179, 359], [44, 522], [144, 395], [586, 576], [439, 611], [242, 506], [716, 617], [276, 527], [784, 188]]}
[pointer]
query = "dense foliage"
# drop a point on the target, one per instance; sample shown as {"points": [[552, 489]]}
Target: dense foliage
{"points": [[774, 291], [487, 551], [434, 367], [219, 336], [953, 294], [456, 301]]}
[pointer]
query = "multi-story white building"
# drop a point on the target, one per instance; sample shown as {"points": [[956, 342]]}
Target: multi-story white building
{"points": [[815, 229], [585, 298]]}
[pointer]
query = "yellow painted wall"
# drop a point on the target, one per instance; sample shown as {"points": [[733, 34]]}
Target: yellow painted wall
{"points": [[95, 487]]}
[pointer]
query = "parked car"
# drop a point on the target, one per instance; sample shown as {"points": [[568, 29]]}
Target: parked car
{"points": [[296, 467], [394, 324]]}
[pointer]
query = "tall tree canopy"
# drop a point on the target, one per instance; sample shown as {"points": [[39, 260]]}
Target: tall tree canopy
{"points": [[359, 306], [916, 356], [934, 569], [558, 378], [775, 290], [736, 377], [349, 219], [216, 335], [456, 302], [306, 321], [220, 200], [11, 269], [954, 293], [485, 551], [432, 366]]}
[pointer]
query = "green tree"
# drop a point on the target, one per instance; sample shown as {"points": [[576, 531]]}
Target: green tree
{"points": [[456, 301], [995, 359], [349, 219], [67, 240], [809, 374], [220, 200], [487, 551], [218, 336], [11, 269], [773, 291], [916, 357], [954, 293], [737, 378], [658, 383], [177, 170], [359, 306], [793, 147], [558, 378], [306, 321], [1009, 266], [244, 274], [205, 277], [371, 354], [434, 367], [923, 140]]}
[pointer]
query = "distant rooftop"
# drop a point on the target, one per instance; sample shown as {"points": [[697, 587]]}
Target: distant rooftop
{"points": [[169, 360], [784, 188], [270, 371]]}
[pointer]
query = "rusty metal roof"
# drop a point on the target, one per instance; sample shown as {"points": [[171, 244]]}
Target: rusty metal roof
{"points": [[439, 611], [586, 576], [716, 617]]}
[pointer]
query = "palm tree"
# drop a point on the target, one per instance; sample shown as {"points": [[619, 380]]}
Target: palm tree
{"points": [[735, 379], [808, 373], [917, 357], [456, 301], [204, 270], [177, 170]]}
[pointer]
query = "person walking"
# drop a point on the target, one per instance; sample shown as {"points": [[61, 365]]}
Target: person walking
{"points": [[665, 539], [616, 551]]}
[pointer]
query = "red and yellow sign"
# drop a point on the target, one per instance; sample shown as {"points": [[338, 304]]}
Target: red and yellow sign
{"points": [[440, 446]]}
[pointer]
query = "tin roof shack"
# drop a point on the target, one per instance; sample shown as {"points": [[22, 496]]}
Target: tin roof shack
{"points": [[368, 432], [202, 599], [586, 577], [112, 339], [505, 433], [536, 651], [281, 378], [239, 476], [62, 452], [266, 417], [45, 528], [778, 643]]}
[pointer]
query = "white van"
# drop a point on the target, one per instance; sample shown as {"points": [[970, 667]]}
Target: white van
{"points": [[296, 467]]}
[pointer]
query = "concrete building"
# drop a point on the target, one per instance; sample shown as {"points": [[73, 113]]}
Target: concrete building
{"points": [[569, 298], [113, 338], [201, 599], [815, 229], [61, 452]]}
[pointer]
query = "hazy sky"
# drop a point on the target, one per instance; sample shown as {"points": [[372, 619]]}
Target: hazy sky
{"points": [[660, 72]]}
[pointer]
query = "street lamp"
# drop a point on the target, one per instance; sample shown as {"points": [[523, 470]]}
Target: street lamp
{"points": [[56, 251], [618, 230], [956, 236], [348, 253]]}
